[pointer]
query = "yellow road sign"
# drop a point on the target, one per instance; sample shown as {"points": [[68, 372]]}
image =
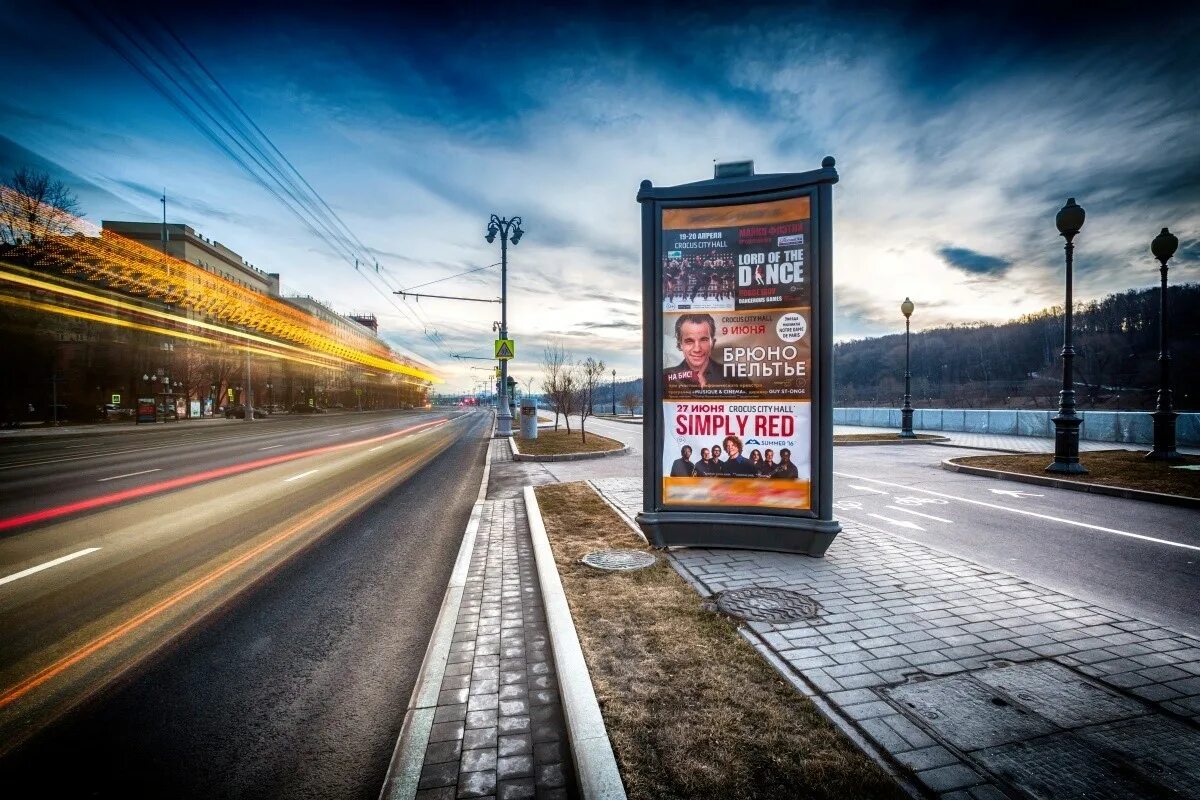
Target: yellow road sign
{"points": [[506, 349]]}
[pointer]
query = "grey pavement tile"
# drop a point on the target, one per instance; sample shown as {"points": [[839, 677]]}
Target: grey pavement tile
{"points": [[852, 696], [438, 752], [475, 738], [948, 778], [927, 758], [514, 744], [434, 775], [477, 784], [1154, 692], [517, 789], [448, 697], [450, 713], [516, 766], [550, 776], [484, 718], [440, 793], [1165, 674], [510, 725], [446, 731], [483, 702], [482, 758]]}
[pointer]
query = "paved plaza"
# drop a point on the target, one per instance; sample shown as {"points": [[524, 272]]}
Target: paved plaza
{"points": [[983, 684]]}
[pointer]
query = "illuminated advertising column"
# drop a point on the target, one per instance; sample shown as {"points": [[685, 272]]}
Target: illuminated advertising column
{"points": [[738, 421]]}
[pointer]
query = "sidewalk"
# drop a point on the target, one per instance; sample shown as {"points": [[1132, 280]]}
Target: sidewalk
{"points": [[498, 728], [984, 685]]}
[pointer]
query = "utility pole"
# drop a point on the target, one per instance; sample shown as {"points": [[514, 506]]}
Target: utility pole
{"points": [[506, 228]]}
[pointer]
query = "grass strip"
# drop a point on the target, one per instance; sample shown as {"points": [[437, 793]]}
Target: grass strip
{"points": [[554, 443], [1126, 469], [693, 711]]}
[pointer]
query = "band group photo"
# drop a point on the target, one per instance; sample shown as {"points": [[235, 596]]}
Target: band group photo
{"points": [[725, 459]]}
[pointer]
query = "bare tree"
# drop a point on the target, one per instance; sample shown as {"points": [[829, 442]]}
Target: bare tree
{"points": [[591, 372], [630, 401], [34, 206], [558, 381]]}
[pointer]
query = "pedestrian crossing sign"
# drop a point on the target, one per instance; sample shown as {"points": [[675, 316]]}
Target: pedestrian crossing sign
{"points": [[505, 349]]}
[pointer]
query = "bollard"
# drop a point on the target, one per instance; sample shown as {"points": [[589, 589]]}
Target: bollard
{"points": [[529, 420]]}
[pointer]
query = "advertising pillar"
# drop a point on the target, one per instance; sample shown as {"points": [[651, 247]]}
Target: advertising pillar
{"points": [[737, 343]]}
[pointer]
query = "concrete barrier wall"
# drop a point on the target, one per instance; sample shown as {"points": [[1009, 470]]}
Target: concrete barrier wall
{"points": [[1131, 427]]}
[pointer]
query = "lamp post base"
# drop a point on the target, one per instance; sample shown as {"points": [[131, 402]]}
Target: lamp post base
{"points": [[906, 430], [1066, 445], [1164, 437], [504, 424]]}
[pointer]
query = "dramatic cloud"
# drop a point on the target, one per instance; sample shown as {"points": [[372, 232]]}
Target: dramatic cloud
{"points": [[974, 263], [949, 128]]}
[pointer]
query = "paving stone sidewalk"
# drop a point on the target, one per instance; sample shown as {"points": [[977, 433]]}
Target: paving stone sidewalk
{"points": [[498, 730], [982, 684]]}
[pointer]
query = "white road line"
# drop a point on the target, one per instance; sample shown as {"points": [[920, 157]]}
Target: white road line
{"points": [[902, 523], [919, 514], [62, 559], [301, 475], [129, 475], [373, 449], [864, 488], [270, 447], [1087, 525]]}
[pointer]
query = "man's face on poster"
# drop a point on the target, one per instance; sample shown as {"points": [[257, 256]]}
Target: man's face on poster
{"points": [[686, 452], [696, 344]]}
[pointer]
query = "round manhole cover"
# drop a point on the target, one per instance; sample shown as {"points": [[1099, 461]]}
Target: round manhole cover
{"points": [[619, 559], [764, 604]]}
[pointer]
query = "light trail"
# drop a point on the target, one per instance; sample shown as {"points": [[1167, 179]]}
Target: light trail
{"points": [[189, 480], [323, 513]]}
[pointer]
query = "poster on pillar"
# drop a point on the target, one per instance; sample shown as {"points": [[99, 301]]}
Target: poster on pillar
{"points": [[737, 355]]}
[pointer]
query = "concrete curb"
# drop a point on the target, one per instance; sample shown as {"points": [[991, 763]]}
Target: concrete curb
{"points": [[1077, 486], [404, 769], [622, 420], [519, 456], [595, 764], [896, 440]]}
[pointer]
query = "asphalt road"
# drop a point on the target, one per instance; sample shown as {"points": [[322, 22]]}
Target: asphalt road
{"points": [[254, 634], [1135, 557]]}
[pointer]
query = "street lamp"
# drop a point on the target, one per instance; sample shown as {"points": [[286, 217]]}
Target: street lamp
{"points": [[507, 229], [1066, 425], [614, 392], [1163, 247], [906, 411]]}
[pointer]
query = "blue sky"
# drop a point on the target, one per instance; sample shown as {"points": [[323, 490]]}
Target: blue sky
{"points": [[957, 138]]}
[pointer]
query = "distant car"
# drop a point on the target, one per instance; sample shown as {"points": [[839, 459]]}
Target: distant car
{"points": [[303, 408]]}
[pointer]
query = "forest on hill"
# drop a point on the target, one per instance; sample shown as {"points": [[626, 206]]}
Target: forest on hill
{"points": [[1018, 364]]}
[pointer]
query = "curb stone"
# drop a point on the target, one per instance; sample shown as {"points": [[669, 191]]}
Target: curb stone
{"points": [[1059, 483], [519, 456], [595, 764], [897, 440]]}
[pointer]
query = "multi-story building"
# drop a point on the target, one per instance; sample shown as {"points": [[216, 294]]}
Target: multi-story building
{"points": [[184, 243]]}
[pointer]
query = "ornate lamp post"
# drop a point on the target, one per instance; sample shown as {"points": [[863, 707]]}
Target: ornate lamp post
{"points": [[1066, 425], [508, 229], [906, 411], [1163, 247], [614, 392]]}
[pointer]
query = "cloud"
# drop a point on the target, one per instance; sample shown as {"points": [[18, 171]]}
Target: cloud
{"points": [[974, 263]]}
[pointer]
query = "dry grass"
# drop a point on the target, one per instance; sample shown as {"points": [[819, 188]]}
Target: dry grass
{"points": [[692, 710], [1127, 469], [553, 443], [882, 438]]}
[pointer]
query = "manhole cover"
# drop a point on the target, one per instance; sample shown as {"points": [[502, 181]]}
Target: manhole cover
{"points": [[619, 559], [760, 604]]}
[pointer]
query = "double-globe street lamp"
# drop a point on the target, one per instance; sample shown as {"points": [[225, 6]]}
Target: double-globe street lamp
{"points": [[906, 411], [1163, 247], [1066, 425], [508, 229]]}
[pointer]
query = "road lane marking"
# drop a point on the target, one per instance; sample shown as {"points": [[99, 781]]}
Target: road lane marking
{"points": [[919, 514], [298, 477], [373, 449], [1087, 525], [16, 576], [340, 502], [902, 523], [129, 475], [270, 447], [866, 488], [1016, 494]]}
